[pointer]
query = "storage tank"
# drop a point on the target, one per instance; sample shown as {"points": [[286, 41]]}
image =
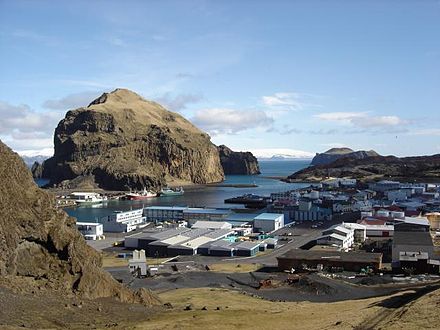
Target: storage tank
{"points": [[314, 194], [366, 214], [398, 215], [383, 213]]}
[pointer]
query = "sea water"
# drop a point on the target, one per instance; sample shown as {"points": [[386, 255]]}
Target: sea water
{"points": [[206, 196]]}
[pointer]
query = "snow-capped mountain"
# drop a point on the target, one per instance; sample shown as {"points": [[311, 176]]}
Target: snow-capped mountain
{"points": [[281, 154], [32, 156]]}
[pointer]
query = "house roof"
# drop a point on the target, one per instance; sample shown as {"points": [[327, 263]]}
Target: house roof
{"points": [[361, 257], [416, 238], [268, 216]]}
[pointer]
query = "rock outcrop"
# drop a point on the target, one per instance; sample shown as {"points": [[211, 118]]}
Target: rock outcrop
{"points": [[234, 162], [334, 154], [37, 170], [126, 142], [40, 247], [423, 168]]}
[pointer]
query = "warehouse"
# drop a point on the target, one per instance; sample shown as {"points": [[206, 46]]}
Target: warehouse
{"points": [[219, 248], [349, 261], [211, 225], [246, 249], [268, 222], [141, 240], [160, 248]]}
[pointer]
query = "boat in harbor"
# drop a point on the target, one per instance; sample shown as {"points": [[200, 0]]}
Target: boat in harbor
{"points": [[144, 194], [87, 198], [171, 192]]}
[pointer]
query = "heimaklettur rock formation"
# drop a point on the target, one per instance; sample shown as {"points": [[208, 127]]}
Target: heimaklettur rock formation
{"points": [[124, 142], [234, 162], [40, 247]]}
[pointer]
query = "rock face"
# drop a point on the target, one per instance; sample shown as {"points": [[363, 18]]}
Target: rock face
{"points": [[40, 246], [37, 170], [234, 162], [336, 153], [423, 168], [126, 142]]}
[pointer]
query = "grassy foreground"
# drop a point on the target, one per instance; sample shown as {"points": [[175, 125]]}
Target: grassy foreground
{"points": [[226, 309]]}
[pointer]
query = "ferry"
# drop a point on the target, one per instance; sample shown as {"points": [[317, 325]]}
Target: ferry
{"points": [[87, 198], [134, 196], [171, 192]]}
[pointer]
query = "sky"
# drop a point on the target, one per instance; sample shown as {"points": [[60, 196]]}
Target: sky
{"points": [[266, 76]]}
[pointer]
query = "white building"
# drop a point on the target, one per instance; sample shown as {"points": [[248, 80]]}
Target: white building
{"points": [[360, 231], [123, 222], [337, 235], [268, 222], [91, 230], [138, 264]]}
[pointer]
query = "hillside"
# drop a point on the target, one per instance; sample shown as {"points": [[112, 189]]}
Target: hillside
{"points": [[41, 249], [123, 142], [422, 168], [334, 154], [234, 162]]}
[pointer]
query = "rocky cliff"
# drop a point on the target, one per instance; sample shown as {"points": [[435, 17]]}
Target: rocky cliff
{"points": [[234, 162], [336, 153], [423, 168], [123, 141], [40, 246]]}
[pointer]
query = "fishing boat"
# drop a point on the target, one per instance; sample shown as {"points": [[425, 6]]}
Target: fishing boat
{"points": [[144, 194], [171, 192], [87, 198]]}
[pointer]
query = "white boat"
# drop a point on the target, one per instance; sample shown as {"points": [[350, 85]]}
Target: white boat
{"points": [[87, 197], [171, 192], [133, 196]]}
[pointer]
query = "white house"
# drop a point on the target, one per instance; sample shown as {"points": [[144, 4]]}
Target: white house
{"points": [[268, 222], [91, 230], [123, 222]]}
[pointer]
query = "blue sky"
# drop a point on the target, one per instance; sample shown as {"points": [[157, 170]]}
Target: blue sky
{"points": [[257, 75]]}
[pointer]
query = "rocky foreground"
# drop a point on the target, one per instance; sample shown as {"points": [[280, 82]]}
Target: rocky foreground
{"points": [[423, 168], [121, 141], [235, 162], [41, 250]]}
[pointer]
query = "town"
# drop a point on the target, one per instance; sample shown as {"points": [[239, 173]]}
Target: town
{"points": [[338, 224]]}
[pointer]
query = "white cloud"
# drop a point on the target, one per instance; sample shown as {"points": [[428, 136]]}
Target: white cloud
{"points": [[23, 128], [177, 102], [334, 145], [230, 121], [427, 132], [287, 101], [72, 101], [361, 119]]}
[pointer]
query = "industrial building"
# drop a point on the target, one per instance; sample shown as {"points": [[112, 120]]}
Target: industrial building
{"points": [[189, 214], [349, 261], [211, 225], [90, 230], [268, 222], [176, 241], [412, 239], [123, 222]]}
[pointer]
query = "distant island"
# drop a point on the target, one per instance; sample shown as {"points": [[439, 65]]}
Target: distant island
{"points": [[373, 168], [334, 154]]}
